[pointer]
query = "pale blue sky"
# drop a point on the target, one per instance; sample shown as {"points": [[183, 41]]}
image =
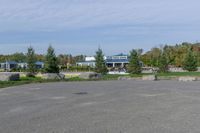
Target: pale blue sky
{"points": [[80, 26]]}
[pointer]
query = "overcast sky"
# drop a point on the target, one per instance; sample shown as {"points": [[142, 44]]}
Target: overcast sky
{"points": [[80, 26]]}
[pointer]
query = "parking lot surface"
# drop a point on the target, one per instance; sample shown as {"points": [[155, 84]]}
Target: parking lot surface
{"points": [[101, 107]]}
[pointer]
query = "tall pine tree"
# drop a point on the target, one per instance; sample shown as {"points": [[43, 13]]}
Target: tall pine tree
{"points": [[134, 66], [51, 63], [190, 61], [31, 59], [100, 62]]}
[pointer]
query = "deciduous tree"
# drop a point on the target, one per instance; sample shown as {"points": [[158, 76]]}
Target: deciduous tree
{"points": [[163, 63]]}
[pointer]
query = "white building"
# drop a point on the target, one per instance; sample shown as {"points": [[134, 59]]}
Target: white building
{"points": [[90, 58], [89, 61], [120, 61], [22, 65]]}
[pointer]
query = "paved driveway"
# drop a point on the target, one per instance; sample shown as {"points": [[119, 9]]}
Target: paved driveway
{"points": [[101, 107]]}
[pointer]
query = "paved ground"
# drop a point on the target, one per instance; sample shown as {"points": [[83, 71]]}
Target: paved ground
{"points": [[101, 107]]}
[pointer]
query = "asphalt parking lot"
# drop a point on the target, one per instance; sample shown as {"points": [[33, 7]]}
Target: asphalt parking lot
{"points": [[101, 107]]}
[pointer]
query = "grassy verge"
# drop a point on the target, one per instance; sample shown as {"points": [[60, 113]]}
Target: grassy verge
{"points": [[24, 80], [178, 74], [76, 79]]}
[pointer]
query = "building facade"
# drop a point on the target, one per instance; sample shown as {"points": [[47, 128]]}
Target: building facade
{"points": [[9, 65], [115, 61]]}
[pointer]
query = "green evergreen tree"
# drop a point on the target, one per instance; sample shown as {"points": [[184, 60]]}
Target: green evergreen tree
{"points": [[100, 62], [134, 66], [51, 63], [31, 59], [190, 61], [163, 64]]}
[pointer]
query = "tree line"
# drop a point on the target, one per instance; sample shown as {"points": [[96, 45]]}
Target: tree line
{"points": [[185, 55], [175, 55]]}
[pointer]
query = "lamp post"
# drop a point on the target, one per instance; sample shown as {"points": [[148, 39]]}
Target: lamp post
{"points": [[6, 65]]}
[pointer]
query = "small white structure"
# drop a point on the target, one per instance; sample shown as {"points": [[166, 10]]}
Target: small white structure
{"points": [[90, 58], [89, 61], [22, 65]]}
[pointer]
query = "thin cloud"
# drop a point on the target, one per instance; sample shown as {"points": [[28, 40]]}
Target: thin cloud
{"points": [[130, 23], [59, 14]]}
